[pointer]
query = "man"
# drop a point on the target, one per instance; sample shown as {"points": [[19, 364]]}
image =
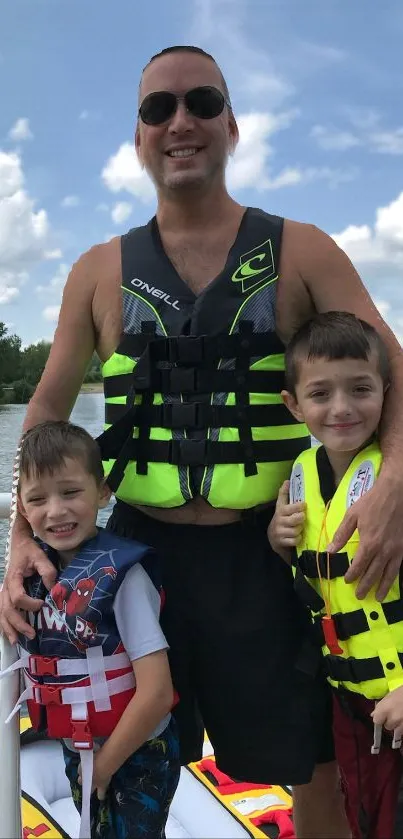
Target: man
{"points": [[200, 477]]}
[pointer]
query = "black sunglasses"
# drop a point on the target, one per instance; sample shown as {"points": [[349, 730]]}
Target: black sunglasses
{"points": [[202, 102]]}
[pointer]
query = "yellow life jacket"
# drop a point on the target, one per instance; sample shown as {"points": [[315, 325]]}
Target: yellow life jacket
{"points": [[366, 657], [192, 393]]}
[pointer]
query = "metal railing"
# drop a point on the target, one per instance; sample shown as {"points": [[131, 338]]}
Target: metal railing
{"points": [[5, 501]]}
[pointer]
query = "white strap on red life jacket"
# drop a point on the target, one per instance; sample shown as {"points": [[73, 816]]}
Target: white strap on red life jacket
{"points": [[99, 690]]}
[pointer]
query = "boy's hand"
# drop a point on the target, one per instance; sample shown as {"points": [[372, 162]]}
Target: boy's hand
{"points": [[100, 781], [389, 711], [287, 524]]}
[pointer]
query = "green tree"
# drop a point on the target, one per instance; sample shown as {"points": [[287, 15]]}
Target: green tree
{"points": [[33, 361], [93, 373], [10, 356]]}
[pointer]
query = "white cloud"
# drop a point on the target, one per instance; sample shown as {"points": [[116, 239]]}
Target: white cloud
{"points": [[123, 172], [218, 26], [377, 252], [23, 231], [45, 338], [332, 139], [102, 207], [250, 166], [51, 313], [57, 283], [121, 211], [368, 132], [85, 115], [20, 130], [387, 142], [54, 253], [70, 201]]}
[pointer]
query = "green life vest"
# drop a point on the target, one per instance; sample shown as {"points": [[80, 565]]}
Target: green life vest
{"points": [[363, 645], [192, 393]]}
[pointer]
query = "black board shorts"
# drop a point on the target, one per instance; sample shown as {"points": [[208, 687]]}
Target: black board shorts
{"points": [[235, 630]]}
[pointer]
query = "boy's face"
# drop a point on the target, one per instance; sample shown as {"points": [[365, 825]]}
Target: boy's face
{"points": [[340, 401], [62, 508]]}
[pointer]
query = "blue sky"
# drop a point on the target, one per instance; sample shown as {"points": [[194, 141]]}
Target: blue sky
{"points": [[317, 88]]}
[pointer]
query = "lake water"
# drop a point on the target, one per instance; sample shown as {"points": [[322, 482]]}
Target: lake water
{"points": [[88, 412]]}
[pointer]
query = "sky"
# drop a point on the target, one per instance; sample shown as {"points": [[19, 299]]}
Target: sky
{"points": [[317, 88]]}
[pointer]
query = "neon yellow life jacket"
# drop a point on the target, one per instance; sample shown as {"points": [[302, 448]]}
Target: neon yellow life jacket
{"points": [[192, 393], [369, 633]]}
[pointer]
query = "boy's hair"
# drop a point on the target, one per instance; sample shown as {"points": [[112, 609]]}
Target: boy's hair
{"points": [[47, 446], [196, 51], [334, 336]]}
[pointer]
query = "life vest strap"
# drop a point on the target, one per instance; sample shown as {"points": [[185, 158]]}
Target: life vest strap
{"points": [[191, 453], [338, 566], [56, 695], [195, 349], [197, 416], [49, 694], [190, 380], [38, 665], [355, 670]]}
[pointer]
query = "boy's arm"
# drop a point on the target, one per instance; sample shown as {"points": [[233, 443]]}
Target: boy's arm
{"points": [[150, 704], [137, 609]]}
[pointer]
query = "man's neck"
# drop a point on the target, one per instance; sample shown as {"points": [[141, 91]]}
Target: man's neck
{"points": [[189, 211]]}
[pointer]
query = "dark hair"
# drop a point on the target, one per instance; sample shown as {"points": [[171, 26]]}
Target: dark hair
{"points": [[334, 336], [196, 51], [47, 446]]}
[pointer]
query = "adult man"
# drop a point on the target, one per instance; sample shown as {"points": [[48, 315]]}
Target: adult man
{"points": [[205, 451]]}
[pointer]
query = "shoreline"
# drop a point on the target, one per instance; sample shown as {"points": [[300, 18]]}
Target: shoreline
{"points": [[87, 387], [92, 387]]}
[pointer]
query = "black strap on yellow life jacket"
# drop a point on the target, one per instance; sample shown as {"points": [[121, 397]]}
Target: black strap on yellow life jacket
{"points": [[194, 372]]}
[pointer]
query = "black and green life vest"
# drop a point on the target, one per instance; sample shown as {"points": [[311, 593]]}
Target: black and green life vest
{"points": [[192, 393]]}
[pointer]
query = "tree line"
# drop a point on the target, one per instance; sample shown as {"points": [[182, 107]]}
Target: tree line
{"points": [[21, 369]]}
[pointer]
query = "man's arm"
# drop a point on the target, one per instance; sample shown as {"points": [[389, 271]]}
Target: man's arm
{"points": [[333, 284], [54, 397]]}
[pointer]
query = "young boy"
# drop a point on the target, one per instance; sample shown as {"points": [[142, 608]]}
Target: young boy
{"points": [[337, 374], [98, 665]]}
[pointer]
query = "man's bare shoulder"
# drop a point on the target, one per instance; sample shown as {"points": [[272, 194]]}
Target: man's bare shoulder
{"points": [[98, 261], [305, 234]]}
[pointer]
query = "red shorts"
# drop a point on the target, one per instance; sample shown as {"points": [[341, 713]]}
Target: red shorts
{"points": [[370, 782]]}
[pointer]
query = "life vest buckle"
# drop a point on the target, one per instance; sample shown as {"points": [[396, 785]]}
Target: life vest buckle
{"points": [[186, 349], [43, 665], [81, 734], [48, 695]]}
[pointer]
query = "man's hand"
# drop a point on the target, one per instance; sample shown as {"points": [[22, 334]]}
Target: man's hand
{"points": [[26, 559], [287, 524], [389, 712], [378, 517]]}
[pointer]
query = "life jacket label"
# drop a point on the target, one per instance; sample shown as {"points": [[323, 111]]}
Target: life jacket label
{"points": [[297, 484], [362, 481], [155, 292]]}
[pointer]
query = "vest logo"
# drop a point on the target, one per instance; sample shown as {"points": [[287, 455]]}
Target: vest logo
{"points": [[256, 267], [155, 292], [297, 485], [362, 481]]}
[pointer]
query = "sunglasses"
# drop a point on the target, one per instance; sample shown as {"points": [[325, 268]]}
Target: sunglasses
{"points": [[202, 102]]}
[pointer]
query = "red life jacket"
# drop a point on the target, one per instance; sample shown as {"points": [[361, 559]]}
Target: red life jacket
{"points": [[76, 669]]}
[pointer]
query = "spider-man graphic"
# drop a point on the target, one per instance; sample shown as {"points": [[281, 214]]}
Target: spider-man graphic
{"points": [[76, 601], [73, 605]]}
